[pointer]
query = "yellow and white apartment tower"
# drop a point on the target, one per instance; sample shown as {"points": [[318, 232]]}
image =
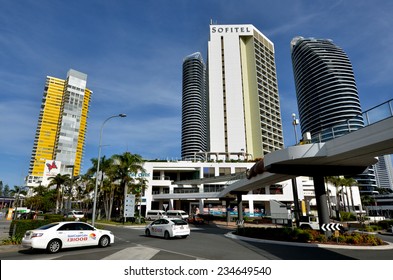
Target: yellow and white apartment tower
{"points": [[61, 129], [244, 106]]}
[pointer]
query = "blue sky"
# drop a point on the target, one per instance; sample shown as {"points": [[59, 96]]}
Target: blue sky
{"points": [[132, 52]]}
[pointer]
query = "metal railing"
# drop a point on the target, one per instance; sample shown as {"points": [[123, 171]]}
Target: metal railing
{"points": [[371, 116]]}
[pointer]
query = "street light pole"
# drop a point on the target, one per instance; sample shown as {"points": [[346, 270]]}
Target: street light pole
{"points": [[295, 122], [98, 165]]}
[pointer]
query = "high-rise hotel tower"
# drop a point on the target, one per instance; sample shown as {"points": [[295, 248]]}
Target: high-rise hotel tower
{"points": [[194, 108], [244, 106], [325, 88], [327, 95], [61, 129]]}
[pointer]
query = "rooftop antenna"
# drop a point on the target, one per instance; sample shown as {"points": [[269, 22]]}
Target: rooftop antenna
{"points": [[212, 22]]}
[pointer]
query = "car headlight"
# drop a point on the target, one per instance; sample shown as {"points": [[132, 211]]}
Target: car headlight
{"points": [[36, 235]]}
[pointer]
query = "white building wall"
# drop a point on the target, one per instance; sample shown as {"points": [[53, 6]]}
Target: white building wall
{"points": [[234, 94], [305, 188], [216, 105], [224, 49], [241, 76]]}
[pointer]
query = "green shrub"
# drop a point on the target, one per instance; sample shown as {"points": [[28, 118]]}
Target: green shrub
{"points": [[321, 238], [347, 216], [19, 227], [305, 236], [340, 239], [299, 235], [385, 224]]}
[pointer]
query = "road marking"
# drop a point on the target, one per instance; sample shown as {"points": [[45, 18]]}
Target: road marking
{"points": [[133, 253]]}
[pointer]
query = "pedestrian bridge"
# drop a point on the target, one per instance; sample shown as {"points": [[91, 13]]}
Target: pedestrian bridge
{"points": [[349, 154]]}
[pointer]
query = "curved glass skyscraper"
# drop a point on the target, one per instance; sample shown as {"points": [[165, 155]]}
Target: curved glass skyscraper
{"points": [[194, 108], [327, 95], [326, 91]]}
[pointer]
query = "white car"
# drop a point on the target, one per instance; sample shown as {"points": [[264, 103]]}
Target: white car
{"points": [[167, 228], [75, 215], [55, 236]]}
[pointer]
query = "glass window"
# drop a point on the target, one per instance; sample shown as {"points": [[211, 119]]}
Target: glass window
{"points": [[85, 227], [67, 227], [48, 226], [179, 222], [240, 169], [208, 172], [275, 189], [224, 171]]}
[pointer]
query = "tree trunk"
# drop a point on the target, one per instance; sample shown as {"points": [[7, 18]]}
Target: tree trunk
{"points": [[112, 195]]}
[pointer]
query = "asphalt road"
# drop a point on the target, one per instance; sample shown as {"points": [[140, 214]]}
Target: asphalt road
{"points": [[207, 242]]}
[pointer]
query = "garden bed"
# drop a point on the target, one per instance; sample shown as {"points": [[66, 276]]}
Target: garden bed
{"points": [[310, 236]]}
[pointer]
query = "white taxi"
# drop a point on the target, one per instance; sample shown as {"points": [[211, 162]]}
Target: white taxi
{"points": [[56, 236], [167, 228]]}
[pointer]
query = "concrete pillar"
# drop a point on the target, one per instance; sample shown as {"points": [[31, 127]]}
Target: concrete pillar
{"points": [[296, 201], [227, 205], [201, 203], [239, 207], [251, 206], [320, 196]]}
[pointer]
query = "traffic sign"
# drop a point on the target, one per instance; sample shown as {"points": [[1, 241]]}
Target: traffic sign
{"points": [[331, 227], [129, 206]]}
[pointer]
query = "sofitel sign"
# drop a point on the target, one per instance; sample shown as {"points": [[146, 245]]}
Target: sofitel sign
{"points": [[230, 29]]}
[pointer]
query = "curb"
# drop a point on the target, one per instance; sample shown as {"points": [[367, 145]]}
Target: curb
{"points": [[331, 246], [11, 248]]}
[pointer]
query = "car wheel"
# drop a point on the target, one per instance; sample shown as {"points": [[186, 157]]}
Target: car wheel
{"points": [[104, 241], [147, 232], [54, 246], [166, 235]]}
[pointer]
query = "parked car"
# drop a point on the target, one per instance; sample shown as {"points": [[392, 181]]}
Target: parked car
{"points": [[168, 228], [55, 236], [177, 214], [30, 215], [155, 214], [75, 215]]}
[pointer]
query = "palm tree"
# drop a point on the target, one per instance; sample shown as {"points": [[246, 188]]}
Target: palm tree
{"points": [[58, 181], [17, 192], [84, 187], [108, 189], [138, 189], [105, 167], [335, 180], [350, 182], [124, 165]]}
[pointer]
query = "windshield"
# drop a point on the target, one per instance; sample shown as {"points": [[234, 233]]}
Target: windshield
{"points": [[48, 226], [179, 222]]}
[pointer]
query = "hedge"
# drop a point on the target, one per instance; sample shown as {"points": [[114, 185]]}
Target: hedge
{"points": [[18, 228]]}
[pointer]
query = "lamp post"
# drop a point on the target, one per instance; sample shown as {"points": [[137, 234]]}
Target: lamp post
{"points": [[98, 165], [295, 122]]}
